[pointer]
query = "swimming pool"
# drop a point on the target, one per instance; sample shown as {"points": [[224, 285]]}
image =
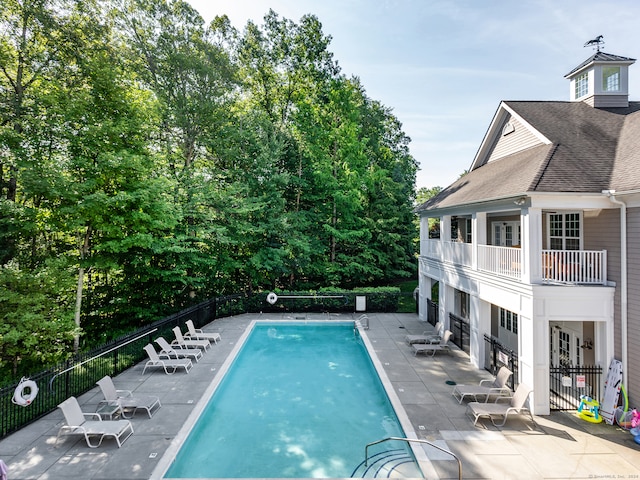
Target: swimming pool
{"points": [[300, 400]]}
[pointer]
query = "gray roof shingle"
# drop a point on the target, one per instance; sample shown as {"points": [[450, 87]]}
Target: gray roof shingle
{"points": [[593, 149]]}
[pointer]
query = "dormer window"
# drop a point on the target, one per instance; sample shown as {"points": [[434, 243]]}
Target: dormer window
{"points": [[610, 79], [582, 85]]}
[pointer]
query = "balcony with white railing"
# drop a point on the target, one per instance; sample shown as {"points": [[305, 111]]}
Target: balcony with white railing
{"points": [[505, 261], [451, 252], [557, 267], [574, 266]]}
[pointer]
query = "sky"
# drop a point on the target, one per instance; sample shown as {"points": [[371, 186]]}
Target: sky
{"points": [[443, 66]]}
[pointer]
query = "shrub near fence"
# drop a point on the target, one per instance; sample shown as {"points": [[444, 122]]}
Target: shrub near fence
{"points": [[80, 374]]}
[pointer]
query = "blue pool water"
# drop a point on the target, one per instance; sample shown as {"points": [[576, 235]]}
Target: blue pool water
{"points": [[300, 400]]}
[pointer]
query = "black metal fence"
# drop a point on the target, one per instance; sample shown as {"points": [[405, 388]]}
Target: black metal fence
{"points": [[497, 355], [80, 374], [432, 312], [568, 383], [461, 332]]}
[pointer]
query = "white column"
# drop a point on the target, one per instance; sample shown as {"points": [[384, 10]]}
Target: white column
{"points": [[424, 233], [445, 228], [533, 349], [531, 222], [424, 293], [446, 304], [478, 235], [479, 323]]}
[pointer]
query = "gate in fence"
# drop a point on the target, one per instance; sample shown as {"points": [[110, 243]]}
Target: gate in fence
{"points": [[568, 383], [498, 355], [461, 332], [432, 312]]}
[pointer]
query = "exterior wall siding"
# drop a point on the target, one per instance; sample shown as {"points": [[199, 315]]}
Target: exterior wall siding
{"points": [[633, 327], [602, 232], [520, 139]]}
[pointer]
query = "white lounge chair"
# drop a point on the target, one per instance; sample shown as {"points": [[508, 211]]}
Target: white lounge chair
{"points": [[432, 348], [177, 351], [486, 388], [76, 423], [198, 334], [426, 337], [167, 363], [127, 401], [188, 343], [515, 406]]}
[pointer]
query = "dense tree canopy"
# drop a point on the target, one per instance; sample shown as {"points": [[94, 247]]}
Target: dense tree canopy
{"points": [[149, 161]]}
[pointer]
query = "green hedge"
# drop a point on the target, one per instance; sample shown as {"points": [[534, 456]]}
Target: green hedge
{"points": [[378, 299]]}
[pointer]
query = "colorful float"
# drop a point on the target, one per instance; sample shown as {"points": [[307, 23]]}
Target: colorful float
{"points": [[589, 409]]}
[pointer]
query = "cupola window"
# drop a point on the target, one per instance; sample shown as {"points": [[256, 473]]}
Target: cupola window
{"points": [[610, 79], [582, 85]]}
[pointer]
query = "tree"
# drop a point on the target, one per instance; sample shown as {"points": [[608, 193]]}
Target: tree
{"points": [[36, 321]]}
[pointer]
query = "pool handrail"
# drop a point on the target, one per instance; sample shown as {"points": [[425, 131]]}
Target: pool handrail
{"points": [[408, 440]]}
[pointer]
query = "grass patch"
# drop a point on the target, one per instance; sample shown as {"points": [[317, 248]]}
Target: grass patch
{"points": [[407, 303]]}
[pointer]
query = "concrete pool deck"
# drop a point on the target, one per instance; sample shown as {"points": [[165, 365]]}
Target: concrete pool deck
{"points": [[558, 446]]}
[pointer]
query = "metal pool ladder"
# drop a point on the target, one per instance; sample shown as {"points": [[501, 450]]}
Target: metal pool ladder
{"points": [[363, 321], [409, 440]]}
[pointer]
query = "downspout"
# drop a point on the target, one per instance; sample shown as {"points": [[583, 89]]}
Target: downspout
{"points": [[623, 281]]}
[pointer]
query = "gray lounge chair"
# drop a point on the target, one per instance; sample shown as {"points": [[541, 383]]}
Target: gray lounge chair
{"points": [[198, 334], [126, 400], [77, 423], [177, 351], [486, 388], [163, 361], [500, 408], [188, 343], [432, 348], [426, 337]]}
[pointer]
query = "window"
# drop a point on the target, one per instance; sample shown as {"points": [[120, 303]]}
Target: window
{"points": [[509, 320], [564, 231], [564, 349], [582, 85], [610, 79], [506, 234], [468, 237]]}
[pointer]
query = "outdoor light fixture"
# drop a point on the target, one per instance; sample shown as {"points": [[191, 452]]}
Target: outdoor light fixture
{"points": [[520, 201], [587, 344]]}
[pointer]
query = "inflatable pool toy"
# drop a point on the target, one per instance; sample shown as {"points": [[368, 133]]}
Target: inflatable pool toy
{"points": [[589, 409]]}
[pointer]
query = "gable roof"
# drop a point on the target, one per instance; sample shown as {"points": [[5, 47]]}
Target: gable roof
{"points": [[592, 149]]}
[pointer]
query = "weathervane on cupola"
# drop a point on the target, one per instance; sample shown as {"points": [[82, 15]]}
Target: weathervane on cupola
{"points": [[596, 42]]}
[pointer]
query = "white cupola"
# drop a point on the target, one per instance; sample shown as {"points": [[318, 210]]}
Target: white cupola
{"points": [[602, 80]]}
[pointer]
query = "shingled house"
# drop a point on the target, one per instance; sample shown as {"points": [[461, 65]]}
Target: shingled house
{"points": [[537, 254]]}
